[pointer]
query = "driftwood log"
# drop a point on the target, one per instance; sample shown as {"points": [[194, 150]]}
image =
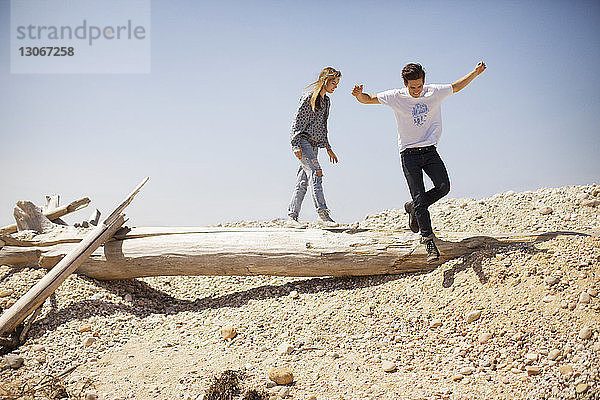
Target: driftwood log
{"points": [[51, 213], [250, 251], [30, 218]]}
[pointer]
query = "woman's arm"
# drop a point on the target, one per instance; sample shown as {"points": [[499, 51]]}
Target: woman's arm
{"points": [[300, 122]]}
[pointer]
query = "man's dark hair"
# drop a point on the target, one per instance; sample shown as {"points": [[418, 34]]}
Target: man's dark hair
{"points": [[412, 71]]}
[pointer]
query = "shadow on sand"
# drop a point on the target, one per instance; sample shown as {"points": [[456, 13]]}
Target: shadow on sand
{"points": [[148, 300]]}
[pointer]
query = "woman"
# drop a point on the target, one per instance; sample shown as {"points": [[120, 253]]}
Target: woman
{"points": [[309, 133]]}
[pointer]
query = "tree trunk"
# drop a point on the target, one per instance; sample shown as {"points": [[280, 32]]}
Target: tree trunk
{"points": [[263, 251]]}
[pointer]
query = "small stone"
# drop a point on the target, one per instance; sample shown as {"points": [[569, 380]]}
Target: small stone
{"points": [[6, 292], [457, 377], [592, 292], [128, 298], [532, 370], [553, 354], [584, 298], [14, 361], [294, 294], [582, 388], [485, 337], [89, 341], [312, 397], [228, 332], [467, 370], [565, 369], [551, 280], [281, 376], [549, 298], [436, 323], [84, 328], [473, 316], [38, 347], [388, 366], [91, 395], [532, 356], [285, 348], [546, 210], [515, 370], [283, 392], [585, 333]]}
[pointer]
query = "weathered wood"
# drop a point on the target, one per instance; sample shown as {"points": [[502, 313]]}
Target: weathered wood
{"points": [[29, 217], [12, 317], [54, 214], [267, 251]]}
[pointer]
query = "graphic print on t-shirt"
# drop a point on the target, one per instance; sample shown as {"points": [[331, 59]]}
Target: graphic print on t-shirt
{"points": [[419, 112]]}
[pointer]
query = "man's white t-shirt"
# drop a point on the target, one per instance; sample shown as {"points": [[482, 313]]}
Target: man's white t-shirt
{"points": [[419, 119]]}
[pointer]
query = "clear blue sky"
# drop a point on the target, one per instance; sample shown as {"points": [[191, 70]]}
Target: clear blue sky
{"points": [[210, 123]]}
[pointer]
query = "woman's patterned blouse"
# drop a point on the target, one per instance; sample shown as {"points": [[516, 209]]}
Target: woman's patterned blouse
{"points": [[310, 125]]}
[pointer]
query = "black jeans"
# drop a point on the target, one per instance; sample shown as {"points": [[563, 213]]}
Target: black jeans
{"points": [[414, 162]]}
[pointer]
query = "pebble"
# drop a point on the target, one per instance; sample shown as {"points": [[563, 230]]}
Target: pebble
{"points": [[593, 292], [14, 361], [294, 294], [473, 316], [87, 342], [457, 377], [388, 366], [585, 333], [284, 392], [485, 337], [281, 376], [285, 348], [546, 210], [436, 323], [549, 298], [553, 354], [6, 292], [582, 388], [467, 370], [91, 395], [532, 370], [584, 298], [565, 369], [532, 356], [228, 332], [84, 328], [551, 280]]}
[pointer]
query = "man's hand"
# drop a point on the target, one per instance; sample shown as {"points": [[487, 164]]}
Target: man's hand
{"points": [[480, 67], [362, 97], [465, 80], [298, 153], [332, 157]]}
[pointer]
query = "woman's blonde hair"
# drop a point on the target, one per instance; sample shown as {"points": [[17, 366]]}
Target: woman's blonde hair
{"points": [[328, 74]]}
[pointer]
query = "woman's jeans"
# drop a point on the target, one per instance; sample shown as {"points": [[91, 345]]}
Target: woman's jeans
{"points": [[309, 165], [414, 162]]}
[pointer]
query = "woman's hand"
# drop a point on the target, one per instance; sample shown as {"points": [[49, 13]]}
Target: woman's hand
{"points": [[332, 157], [298, 153]]}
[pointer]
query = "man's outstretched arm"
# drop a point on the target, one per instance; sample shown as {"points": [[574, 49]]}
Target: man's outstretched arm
{"points": [[465, 80], [364, 97]]}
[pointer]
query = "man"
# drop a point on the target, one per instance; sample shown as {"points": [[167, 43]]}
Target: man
{"points": [[418, 116]]}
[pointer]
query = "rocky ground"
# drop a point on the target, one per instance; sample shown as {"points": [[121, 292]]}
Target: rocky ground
{"points": [[515, 321]]}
